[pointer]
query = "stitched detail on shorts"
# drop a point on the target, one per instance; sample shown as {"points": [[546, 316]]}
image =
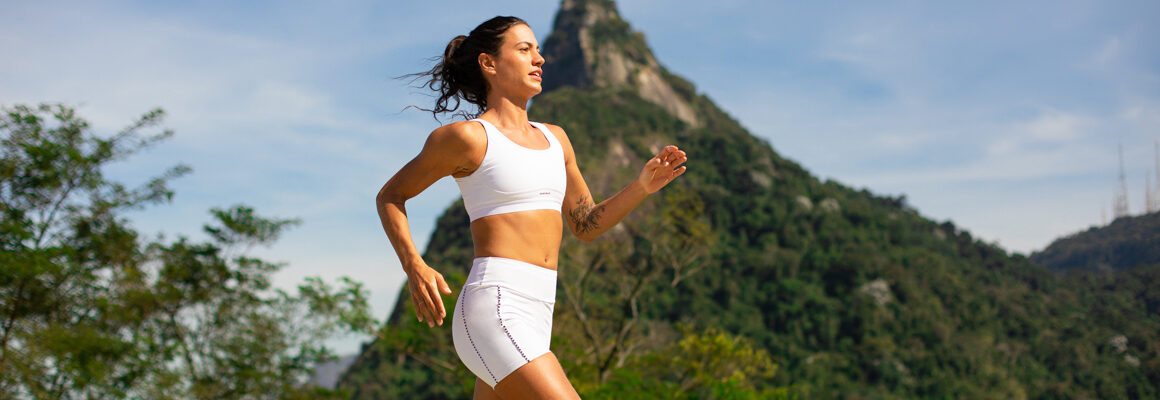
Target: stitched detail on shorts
{"points": [[468, 332], [498, 300]]}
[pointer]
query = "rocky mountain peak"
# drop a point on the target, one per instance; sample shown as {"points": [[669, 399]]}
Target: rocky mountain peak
{"points": [[592, 46]]}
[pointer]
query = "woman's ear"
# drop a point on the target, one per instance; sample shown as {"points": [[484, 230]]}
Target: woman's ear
{"points": [[486, 64]]}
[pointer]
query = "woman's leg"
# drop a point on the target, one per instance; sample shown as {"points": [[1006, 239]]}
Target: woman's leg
{"points": [[542, 378], [483, 391]]}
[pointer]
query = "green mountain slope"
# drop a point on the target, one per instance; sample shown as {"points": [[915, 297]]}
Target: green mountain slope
{"points": [[1125, 243], [751, 278]]}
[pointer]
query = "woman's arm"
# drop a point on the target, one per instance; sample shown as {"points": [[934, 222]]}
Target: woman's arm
{"points": [[453, 149], [589, 220]]}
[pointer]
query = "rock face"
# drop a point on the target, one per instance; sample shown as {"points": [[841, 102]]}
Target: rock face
{"points": [[878, 289], [593, 46]]}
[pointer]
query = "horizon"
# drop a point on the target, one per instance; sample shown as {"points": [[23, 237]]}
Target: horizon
{"points": [[1002, 118]]}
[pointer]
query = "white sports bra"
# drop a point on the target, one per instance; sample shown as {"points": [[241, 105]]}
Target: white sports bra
{"points": [[513, 178]]}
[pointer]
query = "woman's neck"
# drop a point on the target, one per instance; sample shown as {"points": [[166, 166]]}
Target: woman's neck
{"points": [[507, 112]]}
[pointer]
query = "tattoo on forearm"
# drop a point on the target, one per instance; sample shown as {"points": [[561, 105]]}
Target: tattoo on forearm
{"points": [[585, 216]]}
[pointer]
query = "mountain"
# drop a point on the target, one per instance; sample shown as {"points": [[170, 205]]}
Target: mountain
{"points": [[591, 46], [749, 277], [1125, 243]]}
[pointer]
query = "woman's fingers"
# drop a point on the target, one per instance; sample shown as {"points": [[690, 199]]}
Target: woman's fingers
{"points": [[666, 155], [671, 155], [662, 168], [426, 297], [443, 284], [437, 310], [422, 304], [671, 160], [418, 305]]}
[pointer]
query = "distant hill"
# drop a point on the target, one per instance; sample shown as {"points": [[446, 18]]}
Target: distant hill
{"points": [[1125, 243], [751, 278], [326, 374]]}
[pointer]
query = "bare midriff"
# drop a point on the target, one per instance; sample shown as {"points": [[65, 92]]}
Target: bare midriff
{"points": [[529, 236]]}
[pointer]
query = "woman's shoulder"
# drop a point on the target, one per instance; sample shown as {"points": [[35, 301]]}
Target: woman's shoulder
{"points": [[460, 133], [561, 137], [556, 130], [553, 128]]}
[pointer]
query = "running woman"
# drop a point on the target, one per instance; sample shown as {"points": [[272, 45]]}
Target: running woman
{"points": [[518, 178]]}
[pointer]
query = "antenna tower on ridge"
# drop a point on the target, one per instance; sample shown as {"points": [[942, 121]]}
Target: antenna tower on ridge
{"points": [[1156, 196], [1120, 204], [1149, 199]]}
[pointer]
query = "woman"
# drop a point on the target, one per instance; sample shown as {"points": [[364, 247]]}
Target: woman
{"points": [[517, 177]]}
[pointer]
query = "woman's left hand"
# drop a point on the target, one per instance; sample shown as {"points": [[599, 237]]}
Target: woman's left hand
{"points": [[662, 169]]}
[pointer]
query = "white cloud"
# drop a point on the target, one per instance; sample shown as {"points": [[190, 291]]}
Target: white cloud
{"points": [[1048, 127], [1055, 126], [1108, 53]]}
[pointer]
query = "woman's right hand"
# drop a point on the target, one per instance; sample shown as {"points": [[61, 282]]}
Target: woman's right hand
{"points": [[425, 283]]}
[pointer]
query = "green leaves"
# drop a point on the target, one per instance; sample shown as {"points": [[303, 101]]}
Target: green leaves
{"points": [[342, 304], [239, 225], [51, 174], [89, 310], [701, 365]]}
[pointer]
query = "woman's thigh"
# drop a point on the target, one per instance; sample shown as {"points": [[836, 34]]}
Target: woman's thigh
{"points": [[542, 378], [484, 392]]}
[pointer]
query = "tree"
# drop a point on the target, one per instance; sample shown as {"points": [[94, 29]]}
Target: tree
{"points": [[701, 365], [607, 284], [90, 310]]}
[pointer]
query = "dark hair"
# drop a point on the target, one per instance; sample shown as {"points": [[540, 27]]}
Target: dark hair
{"points": [[456, 77]]}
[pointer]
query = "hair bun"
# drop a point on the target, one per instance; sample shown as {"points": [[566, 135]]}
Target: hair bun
{"points": [[456, 43]]}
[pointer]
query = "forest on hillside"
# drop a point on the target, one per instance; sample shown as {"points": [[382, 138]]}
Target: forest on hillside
{"points": [[750, 278], [1126, 243]]}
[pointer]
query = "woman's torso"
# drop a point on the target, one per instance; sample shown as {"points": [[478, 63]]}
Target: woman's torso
{"points": [[514, 194]]}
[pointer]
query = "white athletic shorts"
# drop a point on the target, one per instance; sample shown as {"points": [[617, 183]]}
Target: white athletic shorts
{"points": [[503, 318]]}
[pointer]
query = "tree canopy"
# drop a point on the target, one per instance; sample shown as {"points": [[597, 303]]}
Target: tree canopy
{"points": [[90, 309]]}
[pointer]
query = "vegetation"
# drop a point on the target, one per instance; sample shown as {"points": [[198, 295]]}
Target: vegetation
{"points": [[617, 33], [1125, 243], [750, 278], [749, 245], [89, 309]]}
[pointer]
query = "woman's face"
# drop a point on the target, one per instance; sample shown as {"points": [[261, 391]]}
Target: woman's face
{"points": [[518, 67]]}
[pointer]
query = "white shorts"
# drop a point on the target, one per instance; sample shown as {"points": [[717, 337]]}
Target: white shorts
{"points": [[503, 318]]}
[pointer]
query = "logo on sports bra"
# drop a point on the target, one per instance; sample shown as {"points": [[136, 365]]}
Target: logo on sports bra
{"points": [[545, 193]]}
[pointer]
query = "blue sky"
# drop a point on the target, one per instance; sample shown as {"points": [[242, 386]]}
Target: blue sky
{"points": [[1003, 117]]}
